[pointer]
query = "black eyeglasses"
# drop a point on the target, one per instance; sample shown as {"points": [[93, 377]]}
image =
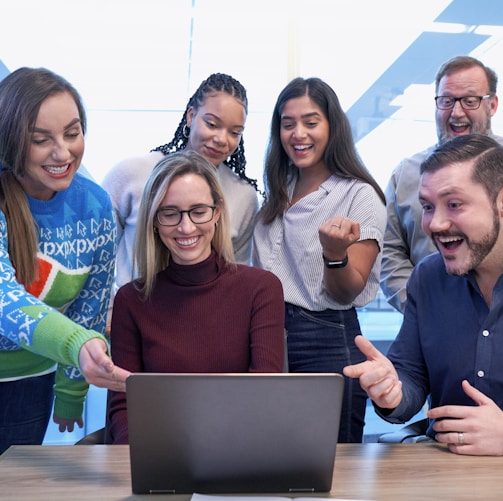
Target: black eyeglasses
{"points": [[198, 215], [466, 102]]}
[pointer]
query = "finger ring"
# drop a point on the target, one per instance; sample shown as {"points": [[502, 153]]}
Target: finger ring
{"points": [[335, 224], [461, 438]]}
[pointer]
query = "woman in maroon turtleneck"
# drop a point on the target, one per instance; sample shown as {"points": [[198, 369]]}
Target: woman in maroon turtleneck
{"points": [[192, 309]]}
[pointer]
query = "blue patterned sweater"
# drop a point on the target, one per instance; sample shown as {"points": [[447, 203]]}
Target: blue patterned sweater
{"points": [[42, 328]]}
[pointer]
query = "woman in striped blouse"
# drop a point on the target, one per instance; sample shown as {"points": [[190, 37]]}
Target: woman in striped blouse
{"points": [[320, 230]]}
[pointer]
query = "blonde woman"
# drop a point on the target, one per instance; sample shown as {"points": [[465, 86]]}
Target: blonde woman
{"points": [[192, 308]]}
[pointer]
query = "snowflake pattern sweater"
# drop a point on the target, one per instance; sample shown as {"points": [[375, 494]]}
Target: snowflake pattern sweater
{"points": [[43, 327]]}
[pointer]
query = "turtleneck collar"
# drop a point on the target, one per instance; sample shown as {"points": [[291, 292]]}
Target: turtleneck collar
{"points": [[194, 274]]}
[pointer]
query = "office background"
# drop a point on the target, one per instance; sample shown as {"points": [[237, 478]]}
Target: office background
{"points": [[137, 63]]}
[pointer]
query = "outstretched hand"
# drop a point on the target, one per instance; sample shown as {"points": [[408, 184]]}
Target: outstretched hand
{"points": [[474, 430], [377, 375], [99, 369]]}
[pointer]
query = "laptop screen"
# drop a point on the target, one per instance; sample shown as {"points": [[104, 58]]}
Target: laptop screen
{"points": [[233, 433]]}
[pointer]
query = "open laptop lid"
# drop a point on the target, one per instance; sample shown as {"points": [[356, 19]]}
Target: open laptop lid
{"points": [[233, 433]]}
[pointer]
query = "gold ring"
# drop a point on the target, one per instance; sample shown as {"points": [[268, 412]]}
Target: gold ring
{"points": [[461, 438], [335, 224]]}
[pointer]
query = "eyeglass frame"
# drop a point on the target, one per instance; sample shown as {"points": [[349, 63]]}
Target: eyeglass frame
{"points": [[181, 213], [460, 99]]}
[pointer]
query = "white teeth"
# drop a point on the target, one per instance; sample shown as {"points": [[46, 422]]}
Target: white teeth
{"points": [[188, 241], [302, 147], [446, 240], [56, 170]]}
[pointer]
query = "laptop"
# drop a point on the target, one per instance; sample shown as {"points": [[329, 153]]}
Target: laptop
{"points": [[233, 433]]}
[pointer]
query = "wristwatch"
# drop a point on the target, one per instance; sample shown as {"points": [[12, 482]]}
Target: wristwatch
{"points": [[335, 264]]}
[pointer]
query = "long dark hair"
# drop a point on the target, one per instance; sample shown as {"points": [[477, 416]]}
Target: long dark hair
{"points": [[217, 82], [340, 156]]}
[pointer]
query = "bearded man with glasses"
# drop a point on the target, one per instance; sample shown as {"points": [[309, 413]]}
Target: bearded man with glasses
{"points": [[465, 102]]}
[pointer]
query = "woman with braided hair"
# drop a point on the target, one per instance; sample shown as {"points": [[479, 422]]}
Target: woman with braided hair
{"points": [[212, 125]]}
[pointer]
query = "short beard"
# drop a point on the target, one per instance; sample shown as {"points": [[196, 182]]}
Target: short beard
{"points": [[483, 128], [479, 250]]}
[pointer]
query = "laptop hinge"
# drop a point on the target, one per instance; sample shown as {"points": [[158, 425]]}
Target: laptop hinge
{"points": [[308, 489]]}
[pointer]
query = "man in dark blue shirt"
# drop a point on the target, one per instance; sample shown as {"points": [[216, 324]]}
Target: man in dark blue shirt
{"points": [[450, 346]]}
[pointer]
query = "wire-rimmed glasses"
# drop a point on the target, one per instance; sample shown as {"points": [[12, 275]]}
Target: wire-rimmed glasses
{"points": [[466, 102], [169, 216]]}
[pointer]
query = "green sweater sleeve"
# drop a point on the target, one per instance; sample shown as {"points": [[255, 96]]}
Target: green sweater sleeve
{"points": [[70, 394], [57, 337]]}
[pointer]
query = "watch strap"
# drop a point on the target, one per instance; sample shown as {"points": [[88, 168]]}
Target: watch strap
{"points": [[335, 264]]}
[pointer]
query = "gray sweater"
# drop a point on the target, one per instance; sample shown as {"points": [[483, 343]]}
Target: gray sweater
{"points": [[125, 183]]}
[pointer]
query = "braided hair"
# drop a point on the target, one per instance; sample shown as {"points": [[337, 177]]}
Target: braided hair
{"points": [[217, 82]]}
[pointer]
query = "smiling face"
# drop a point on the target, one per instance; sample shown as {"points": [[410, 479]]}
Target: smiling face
{"points": [[187, 242], [56, 150], [459, 217], [458, 121], [216, 127], [304, 133]]}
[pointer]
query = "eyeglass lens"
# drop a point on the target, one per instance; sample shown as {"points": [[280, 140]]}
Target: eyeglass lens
{"points": [[198, 215], [467, 102]]}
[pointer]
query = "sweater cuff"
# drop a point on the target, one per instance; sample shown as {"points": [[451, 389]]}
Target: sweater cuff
{"points": [[60, 339], [68, 408], [70, 395]]}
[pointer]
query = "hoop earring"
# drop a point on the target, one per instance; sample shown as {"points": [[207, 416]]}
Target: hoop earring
{"points": [[186, 131]]}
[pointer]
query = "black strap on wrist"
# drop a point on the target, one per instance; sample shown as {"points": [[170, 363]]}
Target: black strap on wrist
{"points": [[335, 264]]}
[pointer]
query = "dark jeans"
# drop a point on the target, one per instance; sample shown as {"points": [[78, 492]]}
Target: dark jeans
{"points": [[323, 341], [25, 409]]}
